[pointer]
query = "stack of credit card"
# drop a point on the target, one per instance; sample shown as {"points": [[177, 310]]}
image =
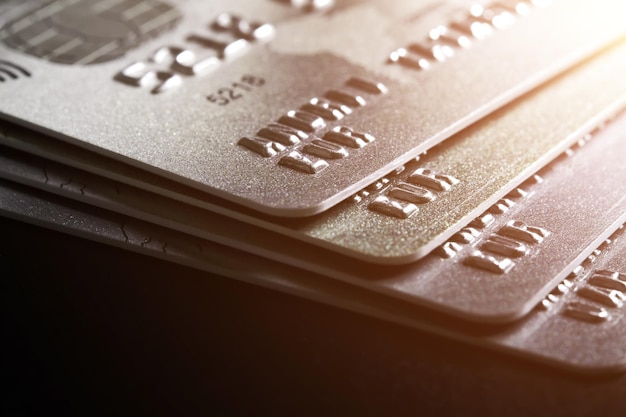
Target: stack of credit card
{"points": [[458, 166]]}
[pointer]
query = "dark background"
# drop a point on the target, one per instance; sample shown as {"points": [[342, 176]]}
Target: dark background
{"points": [[93, 330]]}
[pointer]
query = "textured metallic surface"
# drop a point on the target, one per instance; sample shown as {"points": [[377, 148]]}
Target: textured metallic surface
{"points": [[487, 160], [545, 335], [495, 270], [183, 135]]}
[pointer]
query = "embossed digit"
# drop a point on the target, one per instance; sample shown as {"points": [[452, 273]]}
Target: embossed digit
{"points": [[184, 61], [138, 74], [349, 137], [241, 28], [231, 34]]}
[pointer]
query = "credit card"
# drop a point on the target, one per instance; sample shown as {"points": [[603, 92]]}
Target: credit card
{"points": [[405, 215], [579, 327], [253, 102], [494, 270]]}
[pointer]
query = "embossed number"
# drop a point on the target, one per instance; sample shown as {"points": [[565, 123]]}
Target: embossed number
{"points": [[228, 36]]}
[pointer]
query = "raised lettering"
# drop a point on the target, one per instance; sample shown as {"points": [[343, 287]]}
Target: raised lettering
{"points": [[450, 37], [327, 109], [609, 280], [185, 61], [504, 246], [477, 24], [521, 231], [411, 193], [242, 28], [585, 312], [410, 60], [348, 137], [448, 250], [231, 35], [606, 297], [324, 149], [285, 135], [489, 263], [140, 75], [393, 208], [296, 161], [263, 147], [482, 221], [473, 26], [367, 86], [303, 120], [344, 97], [430, 179], [310, 5], [223, 49], [501, 206], [500, 15], [518, 193], [465, 235], [432, 50]]}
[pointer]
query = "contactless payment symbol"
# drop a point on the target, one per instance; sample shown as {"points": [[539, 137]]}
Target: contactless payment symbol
{"points": [[10, 71]]}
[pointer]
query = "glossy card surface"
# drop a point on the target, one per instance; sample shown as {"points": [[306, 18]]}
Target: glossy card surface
{"points": [[280, 108]]}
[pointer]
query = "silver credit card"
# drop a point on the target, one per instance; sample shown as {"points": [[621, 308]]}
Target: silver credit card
{"points": [[425, 201], [580, 326], [254, 102], [494, 270]]}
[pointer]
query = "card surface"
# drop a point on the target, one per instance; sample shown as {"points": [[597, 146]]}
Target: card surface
{"points": [[405, 215], [254, 103], [494, 270], [580, 326]]}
